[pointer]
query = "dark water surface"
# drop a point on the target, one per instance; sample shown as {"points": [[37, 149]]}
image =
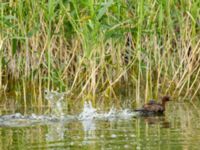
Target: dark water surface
{"points": [[178, 129]]}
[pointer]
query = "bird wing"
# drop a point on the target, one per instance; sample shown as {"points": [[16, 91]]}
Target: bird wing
{"points": [[153, 107]]}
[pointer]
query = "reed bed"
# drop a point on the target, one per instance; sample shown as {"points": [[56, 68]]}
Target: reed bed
{"points": [[92, 48]]}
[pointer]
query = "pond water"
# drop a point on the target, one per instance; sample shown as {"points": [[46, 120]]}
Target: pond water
{"points": [[178, 129]]}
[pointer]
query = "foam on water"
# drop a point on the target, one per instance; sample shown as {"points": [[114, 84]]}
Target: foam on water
{"points": [[89, 113], [18, 119]]}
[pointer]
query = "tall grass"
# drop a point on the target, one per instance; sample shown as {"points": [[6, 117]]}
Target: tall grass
{"points": [[91, 48]]}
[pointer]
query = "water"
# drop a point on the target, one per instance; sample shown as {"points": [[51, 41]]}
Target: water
{"points": [[96, 129]]}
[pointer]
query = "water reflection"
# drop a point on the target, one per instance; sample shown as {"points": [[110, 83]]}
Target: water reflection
{"points": [[178, 129], [55, 132], [89, 128], [157, 120]]}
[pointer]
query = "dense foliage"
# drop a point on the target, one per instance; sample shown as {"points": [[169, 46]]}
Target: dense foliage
{"points": [[94, 47]]}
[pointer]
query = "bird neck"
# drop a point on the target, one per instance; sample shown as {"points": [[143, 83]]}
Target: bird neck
{"points": [[163, 104]]}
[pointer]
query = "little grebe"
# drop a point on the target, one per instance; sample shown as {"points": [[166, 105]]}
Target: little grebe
{"points": [[153, 108]]}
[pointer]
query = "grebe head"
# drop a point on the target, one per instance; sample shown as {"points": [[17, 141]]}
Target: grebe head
{"points": [[165, 98]]}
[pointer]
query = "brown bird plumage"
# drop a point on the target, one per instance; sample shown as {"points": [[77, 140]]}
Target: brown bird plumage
{"points": [[153, 107]]}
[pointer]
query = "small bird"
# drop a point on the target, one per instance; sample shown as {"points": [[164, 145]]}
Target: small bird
{"points": [[153, 108]]}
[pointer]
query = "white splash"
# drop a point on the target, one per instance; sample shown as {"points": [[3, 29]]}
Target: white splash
{"points": [[126, 113], [87, 116], [112, 113], [88, 112], [56, 101]]}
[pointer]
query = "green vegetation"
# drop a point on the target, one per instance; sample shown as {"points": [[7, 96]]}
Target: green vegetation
{"points": [[92, 48]]}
